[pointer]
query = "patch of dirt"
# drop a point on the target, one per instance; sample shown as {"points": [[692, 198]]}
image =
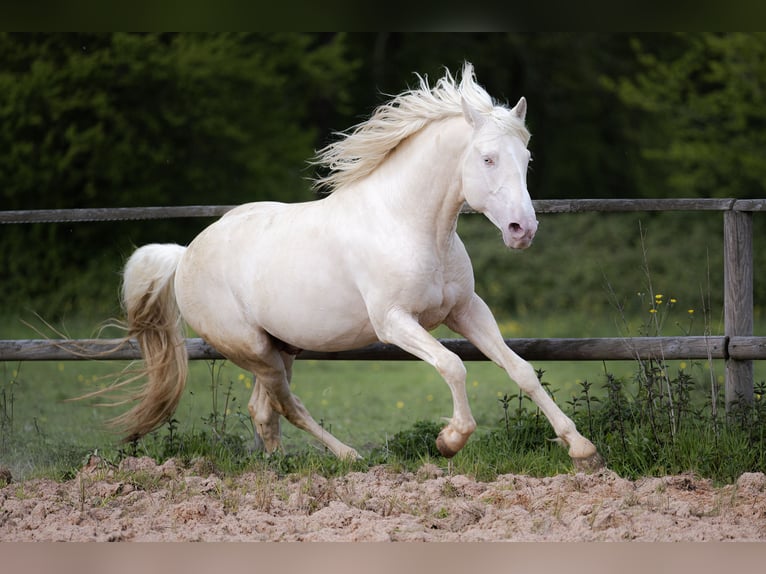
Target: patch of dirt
{"points": [[141, 501]]}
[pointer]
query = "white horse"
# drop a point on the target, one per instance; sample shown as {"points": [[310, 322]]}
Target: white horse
{"points": [[378, 259]]}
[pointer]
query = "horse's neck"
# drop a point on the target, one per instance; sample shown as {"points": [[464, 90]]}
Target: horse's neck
{"points": [[421, 178]]}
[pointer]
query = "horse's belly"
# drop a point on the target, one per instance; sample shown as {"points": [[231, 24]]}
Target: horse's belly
{"points": [[317, 326]]}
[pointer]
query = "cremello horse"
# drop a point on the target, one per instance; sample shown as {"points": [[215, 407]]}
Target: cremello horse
{"points": [[377, 259]]}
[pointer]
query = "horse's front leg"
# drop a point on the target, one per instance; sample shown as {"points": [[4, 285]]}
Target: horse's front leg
{"points": [[475, 322], [402, 329]]}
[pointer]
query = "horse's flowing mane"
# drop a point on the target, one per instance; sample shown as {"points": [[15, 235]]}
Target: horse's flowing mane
{"points": [[363, 148]]}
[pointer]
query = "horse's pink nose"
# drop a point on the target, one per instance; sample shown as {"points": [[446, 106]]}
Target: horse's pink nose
{"points": [[518, 230]]}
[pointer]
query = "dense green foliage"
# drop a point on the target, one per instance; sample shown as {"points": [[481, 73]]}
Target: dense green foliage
{"points": [[105, 120], [707, 90], [125, 120]]}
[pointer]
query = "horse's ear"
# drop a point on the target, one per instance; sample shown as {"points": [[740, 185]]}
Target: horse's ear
{"points": [[520, 109], [472, 116]]}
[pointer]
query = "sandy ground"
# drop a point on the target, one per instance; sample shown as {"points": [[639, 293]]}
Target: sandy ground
{"points": [[143, 501]]}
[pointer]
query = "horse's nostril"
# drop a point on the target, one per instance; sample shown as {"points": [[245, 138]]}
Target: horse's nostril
{"points": [[515, 228]]}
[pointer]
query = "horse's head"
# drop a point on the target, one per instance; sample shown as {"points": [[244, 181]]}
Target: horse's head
{"points": [[495, 171]]}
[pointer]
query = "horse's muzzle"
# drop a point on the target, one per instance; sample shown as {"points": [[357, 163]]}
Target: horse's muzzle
{"points": [[520, 235]]}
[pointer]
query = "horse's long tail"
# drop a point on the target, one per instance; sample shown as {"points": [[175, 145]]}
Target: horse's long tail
{"points": [[154, 320]]}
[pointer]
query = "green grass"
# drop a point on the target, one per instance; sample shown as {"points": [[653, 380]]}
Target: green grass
{"points": [[390, 412], [362, 403]]}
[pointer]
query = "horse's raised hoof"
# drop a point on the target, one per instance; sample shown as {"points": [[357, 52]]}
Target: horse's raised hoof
{"points": [[589, 464], [449, 442], [444, 450]]}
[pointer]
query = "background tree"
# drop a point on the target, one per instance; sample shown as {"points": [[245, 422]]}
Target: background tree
{"points": [[102, 120], [95, 120], [705, 95]]}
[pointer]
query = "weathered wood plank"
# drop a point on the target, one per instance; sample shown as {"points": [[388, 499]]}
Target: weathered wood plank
{"points": [[541, 206], [559, 349], [627, 205], [594, 349], [750, 205], [738, 299], [112, 214], [747, 348]]}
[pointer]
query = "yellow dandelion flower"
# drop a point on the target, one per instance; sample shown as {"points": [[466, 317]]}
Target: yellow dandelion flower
{"points": [[690, 311], [682, 365], [429, 398], [241, 377], [658, 296], [652, 310], [673, 300], [475, 383], [399, 404]]}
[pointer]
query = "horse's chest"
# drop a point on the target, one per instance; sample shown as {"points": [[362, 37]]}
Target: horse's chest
{"points": [[432, 287], [438, 301]]}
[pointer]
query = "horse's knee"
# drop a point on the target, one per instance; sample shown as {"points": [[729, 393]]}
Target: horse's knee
{"points": [[452, 369]]}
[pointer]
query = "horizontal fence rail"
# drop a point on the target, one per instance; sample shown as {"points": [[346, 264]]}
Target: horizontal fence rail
{"points": [[541, 206], [738, 347], [552, 349], [561, 349], [112, 214]]}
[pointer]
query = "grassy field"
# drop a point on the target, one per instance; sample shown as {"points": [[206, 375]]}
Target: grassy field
{"points": [[369, 405], [360, 402]]}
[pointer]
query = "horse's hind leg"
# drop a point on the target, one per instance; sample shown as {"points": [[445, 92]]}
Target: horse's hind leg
{"points": [[272, 370], [265, 419], [268, 435]]}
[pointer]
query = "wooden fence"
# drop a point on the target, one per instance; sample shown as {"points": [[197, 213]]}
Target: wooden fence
{"points": [[737, 346]]}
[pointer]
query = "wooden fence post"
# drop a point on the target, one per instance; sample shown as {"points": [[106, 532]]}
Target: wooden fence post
{"points": [[738, 299]]}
